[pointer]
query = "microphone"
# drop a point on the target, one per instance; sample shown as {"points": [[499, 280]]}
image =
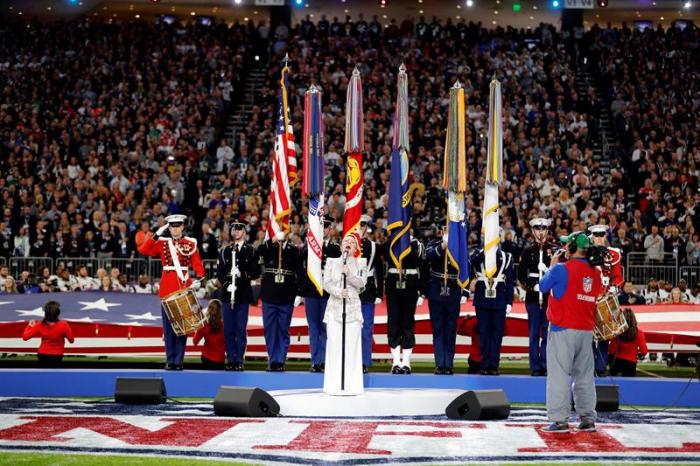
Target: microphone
{"points": [[345, 257]]}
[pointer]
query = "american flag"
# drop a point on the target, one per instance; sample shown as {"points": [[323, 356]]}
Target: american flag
{"points": [[130, 324], [284, 166]]}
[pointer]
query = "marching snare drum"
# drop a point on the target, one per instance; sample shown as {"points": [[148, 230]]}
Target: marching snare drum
{"points": [[610, 320], [184, 311]]}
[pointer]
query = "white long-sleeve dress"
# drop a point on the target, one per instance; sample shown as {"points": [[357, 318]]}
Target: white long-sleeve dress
{"points": [[333, 318]]}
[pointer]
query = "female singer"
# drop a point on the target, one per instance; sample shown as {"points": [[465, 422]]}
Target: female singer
{"points": [[53, 333], [344, 278]]}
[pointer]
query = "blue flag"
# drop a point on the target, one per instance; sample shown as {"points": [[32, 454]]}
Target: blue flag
{"points": [[457, 249], [399, 208]]}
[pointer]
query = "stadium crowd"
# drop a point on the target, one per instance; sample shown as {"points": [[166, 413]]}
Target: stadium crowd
{"points": [[107, 128]]}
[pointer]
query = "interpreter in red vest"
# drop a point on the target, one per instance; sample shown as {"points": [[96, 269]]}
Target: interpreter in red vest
{"points": [[625, 348], [574, 285], [53, 333], [213, 354], [177, 253]]}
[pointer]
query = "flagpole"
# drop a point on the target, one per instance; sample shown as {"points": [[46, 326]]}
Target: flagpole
{"points": [[459, 145]]}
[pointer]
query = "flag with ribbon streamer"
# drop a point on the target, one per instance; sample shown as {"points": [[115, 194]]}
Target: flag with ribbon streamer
{"points": [[494, 176], [455, 182], [399, 220], [354, 145], [312, 183]]}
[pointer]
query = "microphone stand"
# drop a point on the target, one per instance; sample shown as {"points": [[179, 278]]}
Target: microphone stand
{"points": [[342, 350]]}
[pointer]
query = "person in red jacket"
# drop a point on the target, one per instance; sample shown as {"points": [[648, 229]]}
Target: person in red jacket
{"points": [[468, 327], [213, 355], [625, 348], [53, 333], [575, 285], [177, 253]]}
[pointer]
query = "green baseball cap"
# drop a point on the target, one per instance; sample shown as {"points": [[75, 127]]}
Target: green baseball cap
{"points": [[580, 238]]}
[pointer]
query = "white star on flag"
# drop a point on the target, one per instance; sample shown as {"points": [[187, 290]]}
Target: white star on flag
{"points": [[6, 302], [100, 304], [38, 312], [144, 316], [86, 319]]}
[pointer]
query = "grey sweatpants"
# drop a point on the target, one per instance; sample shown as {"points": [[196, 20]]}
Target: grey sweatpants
{"points": [[570, 355]]}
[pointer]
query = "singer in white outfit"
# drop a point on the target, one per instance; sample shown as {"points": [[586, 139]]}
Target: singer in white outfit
{"points": [[355, 269]]}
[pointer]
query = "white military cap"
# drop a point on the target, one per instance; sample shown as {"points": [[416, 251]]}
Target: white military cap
{"points": [[177, 218], [598, 228], [540, 222]]}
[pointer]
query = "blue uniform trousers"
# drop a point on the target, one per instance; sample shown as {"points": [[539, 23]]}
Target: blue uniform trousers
{"points": [[276, 321], [174, 345], [491, 324], [235, 324], [367, 332], [600, 355], [444, 311], [537, 330], [315, 308]]}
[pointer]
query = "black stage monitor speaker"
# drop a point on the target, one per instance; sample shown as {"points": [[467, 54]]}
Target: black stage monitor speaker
{"points": [[608, 397], [476, 405], [139, 390], [245, 402]]}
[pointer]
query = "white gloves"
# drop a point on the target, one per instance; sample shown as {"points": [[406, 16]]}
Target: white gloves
{"points": [[161, 230], [279, 236], [542, 267], [613, 289], [509, 309], [463, 300], [298, 300], [419, 301], [196, 284], [378, 301], [444, 239], [536, 287]]}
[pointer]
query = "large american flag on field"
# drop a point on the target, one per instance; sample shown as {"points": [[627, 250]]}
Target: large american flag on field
{"points": [[284, 165], [130, 325]]}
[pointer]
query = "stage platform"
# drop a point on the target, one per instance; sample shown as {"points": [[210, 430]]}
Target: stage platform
{"points": [[639, 391]]}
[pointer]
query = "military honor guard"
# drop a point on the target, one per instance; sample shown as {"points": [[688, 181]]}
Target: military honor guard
{"points": [[403, 289], [279, 283], [534, 263], [444, 295], [177, 254], [372, 294], [315, 302], [611, 276], [237, 265], [493, 300]]}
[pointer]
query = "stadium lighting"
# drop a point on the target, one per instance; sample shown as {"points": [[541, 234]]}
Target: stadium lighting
{"points": [[602, 3], [517, 6], [237, 2], [687, 5], [555, 4], [470, 3], [299, 2]]}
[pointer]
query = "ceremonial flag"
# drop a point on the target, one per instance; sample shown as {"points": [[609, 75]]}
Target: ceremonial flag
{"points": [[455, 182], [354, 145], [284, 166], [399, 227], [312, 184], [494, 175]]}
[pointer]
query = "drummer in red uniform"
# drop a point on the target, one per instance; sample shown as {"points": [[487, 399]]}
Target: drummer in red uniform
{"points": [[611, 275], [177, 253]]}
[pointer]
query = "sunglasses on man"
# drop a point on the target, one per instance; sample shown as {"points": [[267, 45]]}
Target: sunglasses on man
{"points": [[599, 234], [176, 224]]}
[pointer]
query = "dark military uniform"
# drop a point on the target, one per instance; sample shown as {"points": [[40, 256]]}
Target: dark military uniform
{"points": [[315, 303], [235, 310], [444, 295], [491, 310], [373, 289], [278, 288], [535, 302], [402, 291]]}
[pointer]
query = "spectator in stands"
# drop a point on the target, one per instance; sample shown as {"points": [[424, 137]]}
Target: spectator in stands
{"points": [[9, 286], [651, 293], [629, 295], [224, 157], [29, 284], [654, 246], [685, 291], [695, 294], [626, 348], [4, 273], [83, 281], [64, 281], [21, 242], [213, 353], [53, 333], [676, 297], [143, 286], [106, 284], [122, 284]]}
